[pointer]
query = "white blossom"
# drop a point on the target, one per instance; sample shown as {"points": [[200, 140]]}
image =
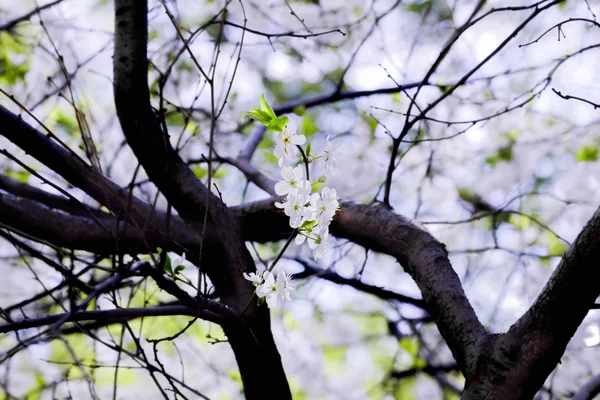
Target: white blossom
{"points": [[323, 206], [331, 156], [268, 289], [294, 207], [293, 179], [286, 142], [285, 286], [254, 277], [319, 244]]}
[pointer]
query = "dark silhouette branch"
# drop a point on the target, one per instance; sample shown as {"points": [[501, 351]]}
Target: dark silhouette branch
{"points": [[111, 316], [227, 258], [25, 17]]}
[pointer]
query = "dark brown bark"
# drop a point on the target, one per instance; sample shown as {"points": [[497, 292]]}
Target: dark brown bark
{"points": [[227, 258]]}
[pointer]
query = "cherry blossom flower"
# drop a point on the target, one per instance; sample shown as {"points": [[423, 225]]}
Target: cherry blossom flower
{"points": [[269, 289], [293, 179], [254, 277], [323, 206], [294, 207], [319, 244], [286, 142], [285, 286], [331, 156]]}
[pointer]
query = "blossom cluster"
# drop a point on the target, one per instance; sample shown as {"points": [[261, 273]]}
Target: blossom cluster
{"points": [[310, 214]]}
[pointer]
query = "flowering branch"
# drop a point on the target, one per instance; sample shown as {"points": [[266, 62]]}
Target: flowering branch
{"points": [[310, 214]]}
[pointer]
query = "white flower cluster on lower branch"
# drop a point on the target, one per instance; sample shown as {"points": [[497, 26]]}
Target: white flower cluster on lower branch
{"points": [[310, 214]]}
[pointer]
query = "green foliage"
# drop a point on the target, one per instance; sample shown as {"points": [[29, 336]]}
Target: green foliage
{"points": [[587, 154], [12, 72], [20, 175], [503, 154], [371, 324], [404, 388], [277, 124], [419, 7], [555, 246], [62, 120], [308, 126]]}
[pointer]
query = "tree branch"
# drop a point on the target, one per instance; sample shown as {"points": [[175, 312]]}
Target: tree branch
{"points": [[421, 255], [25, 17], [78, 232], [111, 316], [225, 260], [539, 338]]}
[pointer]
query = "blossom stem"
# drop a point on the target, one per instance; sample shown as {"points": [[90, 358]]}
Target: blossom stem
{"points": [[292, 236], [305, 161]]}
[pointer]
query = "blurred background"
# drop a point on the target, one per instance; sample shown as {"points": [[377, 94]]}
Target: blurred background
{"points": [[503, 169]]}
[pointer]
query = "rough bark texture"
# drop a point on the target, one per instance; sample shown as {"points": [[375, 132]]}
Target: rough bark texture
{"points": [[227, 258]]}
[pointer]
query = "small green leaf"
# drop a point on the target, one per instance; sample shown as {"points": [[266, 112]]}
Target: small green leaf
{"points": [[168, 267], [266, 107], [199, 171], [277, 124], [259, 115], [587, 154], [179, 269], [308, 224], [308, 147], [556, 247], [410, 345], [505, 153], [21, 176]]}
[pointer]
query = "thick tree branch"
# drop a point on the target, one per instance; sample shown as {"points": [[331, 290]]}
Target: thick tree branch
{"points": [[521, 360], [112, 316], [75, 171], [84, 233], [590, 390], [421, 255], [226, 259], [71, 206]]}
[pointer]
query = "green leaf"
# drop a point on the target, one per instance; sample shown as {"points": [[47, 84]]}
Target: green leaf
{"points": [[505, 153], [266, 107], [199, 171], [179, 269], [175, 119], [259, 115], [587, 154], [308, 127], [277, 124], [519, 221], [371, 122], [21, 176], [308, 147], [308, 224], [562, 4], [556, 247], [168, 267], [410, 345]]}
